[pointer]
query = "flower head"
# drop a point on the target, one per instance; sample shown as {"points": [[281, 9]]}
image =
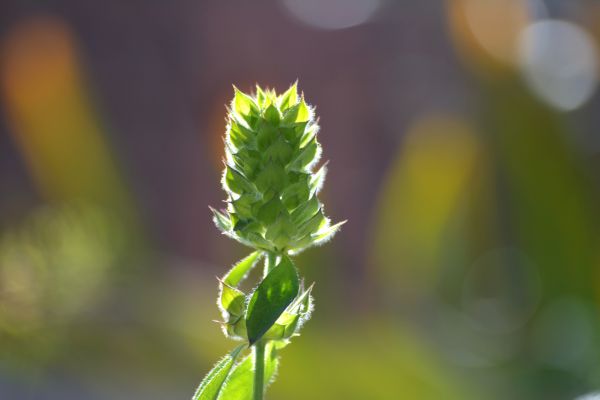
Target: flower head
{"points": [[270, 178]]}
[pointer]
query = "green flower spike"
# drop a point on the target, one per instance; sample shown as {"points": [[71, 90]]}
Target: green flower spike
{"points": [[272, 184]]}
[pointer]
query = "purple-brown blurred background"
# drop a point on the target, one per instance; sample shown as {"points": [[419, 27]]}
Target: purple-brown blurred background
{"points": [[464, 150]]}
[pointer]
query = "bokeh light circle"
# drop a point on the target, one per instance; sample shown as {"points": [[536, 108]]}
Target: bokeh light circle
{"points": [[501, 291], [332, 14], [559, 62], [589, 396]]}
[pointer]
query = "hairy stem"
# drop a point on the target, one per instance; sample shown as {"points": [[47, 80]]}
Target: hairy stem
{"points": [[259, 370]]}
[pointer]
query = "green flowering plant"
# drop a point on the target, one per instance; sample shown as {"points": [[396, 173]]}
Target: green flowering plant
{"points": [[272, 186]]}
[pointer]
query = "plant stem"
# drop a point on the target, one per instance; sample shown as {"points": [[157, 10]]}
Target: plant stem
{"points": [[270, 262], [259, 370]]}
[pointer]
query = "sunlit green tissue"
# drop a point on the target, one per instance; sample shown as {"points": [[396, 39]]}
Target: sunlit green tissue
{"points": [[271, 153], [271, 150]]}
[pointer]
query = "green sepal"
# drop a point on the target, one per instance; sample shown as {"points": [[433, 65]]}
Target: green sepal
{"points": [[212, 384], [313, 225], [306, 210], [221, 221], [291, 320], [280, 231], [239, 135], [270, 299], [317, 179], [269, 212], [231, 300], [289, 98], [295, 195], [280, 151], [324, 235], [237, 183], [309, 134], [261, 97], [307, 156], [240, 270], [303, 114], [243, 104], [272, 115], [297, 113]]}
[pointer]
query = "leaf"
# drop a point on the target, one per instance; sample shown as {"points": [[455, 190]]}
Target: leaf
{"points": [[241, 269], [271, 298], [211, 385], [240, 384], [292, 318], [231, 300]]}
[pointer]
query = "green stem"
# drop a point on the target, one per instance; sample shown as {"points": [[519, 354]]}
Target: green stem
{"points": [[259, 370], [270, 262]]}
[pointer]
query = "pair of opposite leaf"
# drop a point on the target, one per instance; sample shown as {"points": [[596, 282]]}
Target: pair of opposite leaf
{"points": [[275, 310], [271, 149]]}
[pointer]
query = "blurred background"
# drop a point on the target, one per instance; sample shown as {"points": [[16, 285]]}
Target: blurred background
{"points": [[464, 150]]}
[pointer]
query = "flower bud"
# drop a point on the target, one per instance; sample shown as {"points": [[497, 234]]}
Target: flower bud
{"points": [[271, 151]]}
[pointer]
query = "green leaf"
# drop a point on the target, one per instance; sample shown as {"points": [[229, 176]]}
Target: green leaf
{"points": [[241, 269], [290, 321], [271, 298], [239, 385], [211, 385]]}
